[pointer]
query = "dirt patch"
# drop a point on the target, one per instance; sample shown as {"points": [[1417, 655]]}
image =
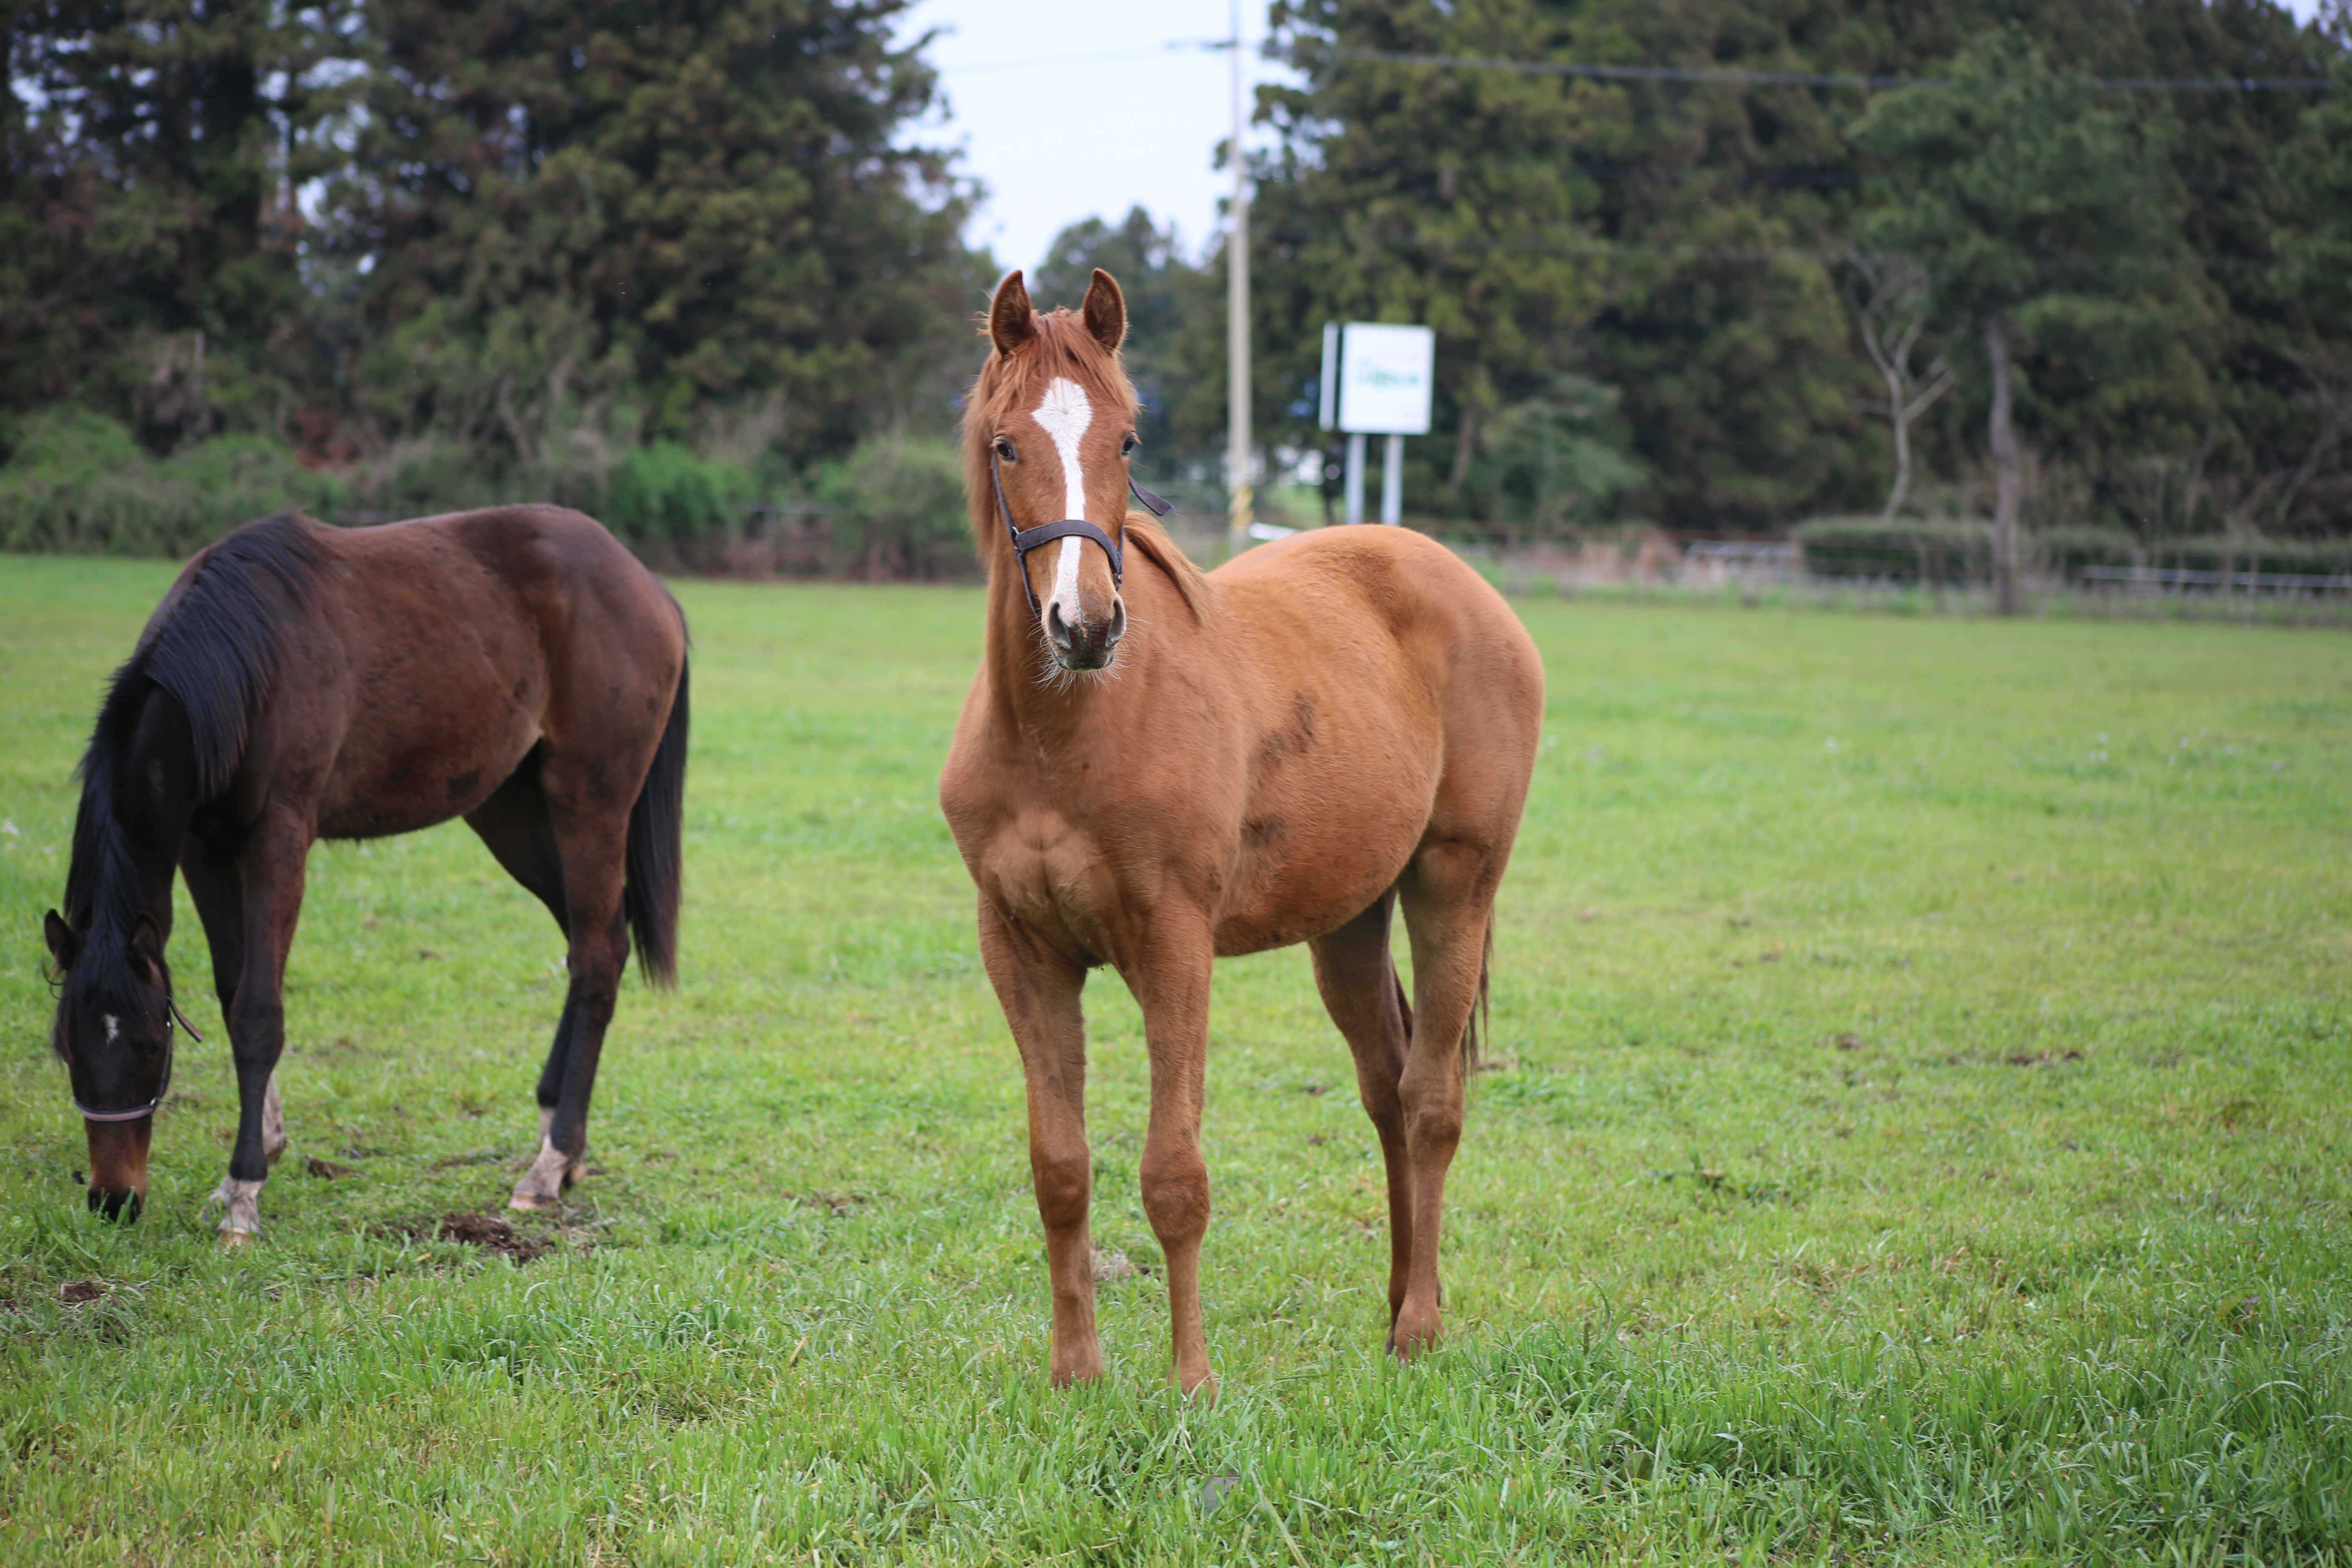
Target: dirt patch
{"points": [[327, 1169], [834, 1200], [472, 1157], [2041, 1059], [77, 1292], [488, 1231]]}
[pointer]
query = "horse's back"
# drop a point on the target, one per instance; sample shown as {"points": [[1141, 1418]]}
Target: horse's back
{"points": [[1342, 585], [434, 654]]}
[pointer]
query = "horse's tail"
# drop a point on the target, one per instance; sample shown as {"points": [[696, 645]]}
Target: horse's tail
{"points": [[655, 853], [1481, 1020], [1480, 1016]]}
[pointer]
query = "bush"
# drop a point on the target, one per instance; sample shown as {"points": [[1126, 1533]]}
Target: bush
{"points": [[898, 509], [2316, 558], [663, 492], [1908, 551], [79, 483], [2064, 551]]}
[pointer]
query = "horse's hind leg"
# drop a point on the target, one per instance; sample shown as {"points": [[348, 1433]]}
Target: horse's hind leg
{"points": [[1358, 982], [588, 830], [1449, 900], [514, 825]]}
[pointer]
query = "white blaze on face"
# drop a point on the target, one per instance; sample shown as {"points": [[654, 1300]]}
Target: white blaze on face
{"points": [[1064, 416], [113, 1027]]}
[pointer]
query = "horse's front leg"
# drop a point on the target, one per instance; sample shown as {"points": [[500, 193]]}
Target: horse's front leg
{"points": [[1170, 976], [1039, 990], [270, 880]]}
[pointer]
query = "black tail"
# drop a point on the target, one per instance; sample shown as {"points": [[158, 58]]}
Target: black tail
{"points": [[656, 854]]}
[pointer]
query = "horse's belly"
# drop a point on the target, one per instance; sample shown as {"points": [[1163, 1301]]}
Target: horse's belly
{"points": [[1299, 877], [396, 777]]}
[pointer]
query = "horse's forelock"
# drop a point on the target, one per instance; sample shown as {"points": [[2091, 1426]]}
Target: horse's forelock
{"points": [[1060, 346]]}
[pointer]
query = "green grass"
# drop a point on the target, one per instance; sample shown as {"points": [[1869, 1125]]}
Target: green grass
{"points": [[1930, 1149]]}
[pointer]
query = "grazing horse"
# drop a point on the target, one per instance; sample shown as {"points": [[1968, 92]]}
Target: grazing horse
{"points": [[1155, 771], [517, 668]]}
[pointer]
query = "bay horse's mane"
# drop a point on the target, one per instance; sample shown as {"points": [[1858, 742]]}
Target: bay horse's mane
{"points": [[216, 648], [1061, 345]]}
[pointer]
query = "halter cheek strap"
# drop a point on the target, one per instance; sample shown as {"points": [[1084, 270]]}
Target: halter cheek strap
{"points": [[1025, 540], [136, 1111]]}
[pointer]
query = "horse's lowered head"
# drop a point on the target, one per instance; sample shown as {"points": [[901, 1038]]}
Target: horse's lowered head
{"points": [[1047, 436], [114, 1033]]}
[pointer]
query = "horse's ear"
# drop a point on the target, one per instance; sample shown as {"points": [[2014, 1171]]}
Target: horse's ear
{"points": [[147, 945], [1011, 318], [64, 945], [1105, 311]]}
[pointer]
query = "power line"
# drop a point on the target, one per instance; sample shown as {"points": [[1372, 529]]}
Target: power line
{"points": [[1598, 245], [1793, 79]]}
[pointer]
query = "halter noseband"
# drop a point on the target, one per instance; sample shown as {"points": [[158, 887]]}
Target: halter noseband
{"points": [[1025, 540], [136, 1111]]}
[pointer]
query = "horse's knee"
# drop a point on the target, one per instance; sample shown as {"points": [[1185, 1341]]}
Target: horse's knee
{"points": [[1065, 1185], [1432, 1119], [1176, 1197]]}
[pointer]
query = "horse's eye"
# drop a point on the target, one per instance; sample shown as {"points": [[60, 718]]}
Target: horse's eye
{"points": [[1005, 450], [1126, 448]]}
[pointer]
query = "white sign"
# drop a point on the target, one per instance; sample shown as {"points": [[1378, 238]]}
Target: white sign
{"points": [[1386, 373]]}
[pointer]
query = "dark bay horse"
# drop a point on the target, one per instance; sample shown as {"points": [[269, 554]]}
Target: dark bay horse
{"points": [[1154, 771], [517, 668]]}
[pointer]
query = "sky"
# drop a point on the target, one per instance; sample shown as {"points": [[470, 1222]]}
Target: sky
{"points": [[1068, 109], [1071, 109]]}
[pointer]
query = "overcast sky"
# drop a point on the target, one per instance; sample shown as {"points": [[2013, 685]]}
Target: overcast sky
{"points": [[1071, 107], [1067, 109]]}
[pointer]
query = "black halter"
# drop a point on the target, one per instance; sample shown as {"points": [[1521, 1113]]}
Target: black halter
{"points": [[136, 1111], [1025, 540]]}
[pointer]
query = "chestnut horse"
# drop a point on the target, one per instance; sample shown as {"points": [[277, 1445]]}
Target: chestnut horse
{"points": [[1152, 771], [517, 668]]}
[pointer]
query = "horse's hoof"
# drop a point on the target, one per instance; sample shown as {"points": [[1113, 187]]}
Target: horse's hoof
{"points": [[1204, 1391], [240, 1210], [542, 1186]]}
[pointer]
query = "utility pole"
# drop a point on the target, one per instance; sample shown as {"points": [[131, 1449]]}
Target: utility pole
{"points": [[1239, 500]]}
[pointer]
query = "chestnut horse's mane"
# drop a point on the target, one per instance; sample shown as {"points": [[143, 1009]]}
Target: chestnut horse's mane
{"points": [[1061, 345]]}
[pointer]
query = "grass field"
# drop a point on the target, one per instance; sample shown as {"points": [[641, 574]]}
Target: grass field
{"points": [[1919, 1132]]}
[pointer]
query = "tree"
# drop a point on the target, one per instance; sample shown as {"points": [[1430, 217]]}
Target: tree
{"points": [[674, 204], [160, 175], [2319, 271], [1404, 194], [2040, 213], [1889, 301]]}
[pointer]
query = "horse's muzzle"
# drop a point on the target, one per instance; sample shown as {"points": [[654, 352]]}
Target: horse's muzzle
{"points": [[117, 1166], [1089, 645]]}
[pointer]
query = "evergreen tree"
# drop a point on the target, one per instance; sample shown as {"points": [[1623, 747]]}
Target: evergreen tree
{"points": [[2040, 217], [152, 197], [674, 204]]}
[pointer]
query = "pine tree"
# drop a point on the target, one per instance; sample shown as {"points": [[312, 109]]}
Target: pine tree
{"points": [[671, 205], [2040, 217]]}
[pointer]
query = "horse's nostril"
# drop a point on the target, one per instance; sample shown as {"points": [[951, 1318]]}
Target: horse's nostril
{"points": [[1118, 619], [1056, 627]]}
